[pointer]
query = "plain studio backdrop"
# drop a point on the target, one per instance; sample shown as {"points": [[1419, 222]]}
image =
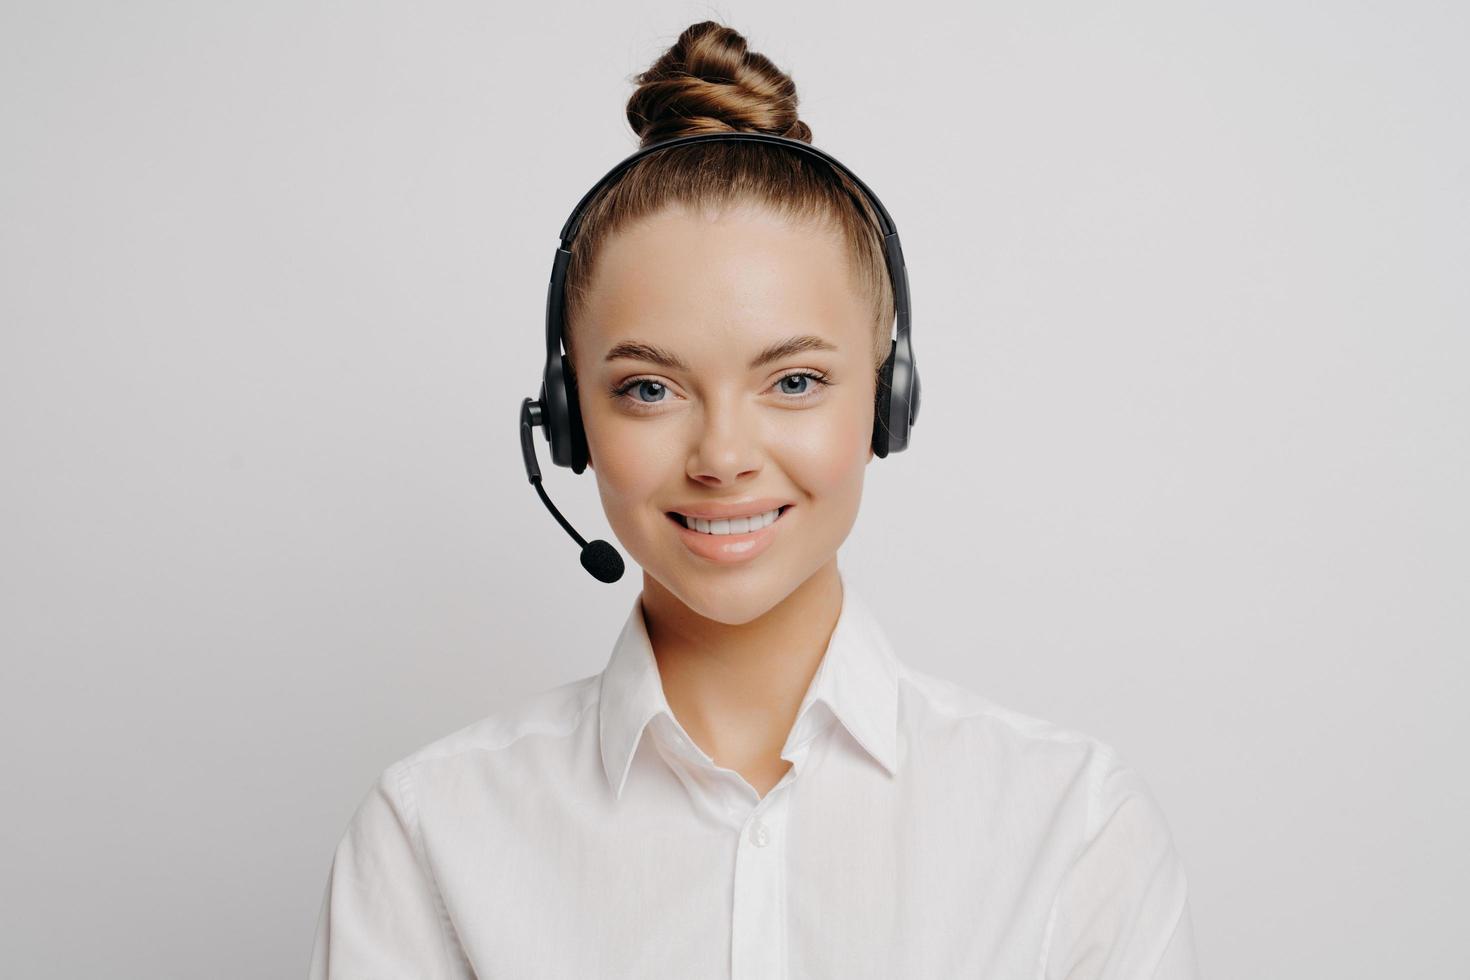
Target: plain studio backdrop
{"points": [[1190, 475]]}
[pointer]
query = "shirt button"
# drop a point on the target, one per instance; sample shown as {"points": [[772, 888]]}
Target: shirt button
{"points": [[760, 834]]}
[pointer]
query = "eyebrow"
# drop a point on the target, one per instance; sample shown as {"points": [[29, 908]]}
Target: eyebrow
{"points": [[639, 351]]}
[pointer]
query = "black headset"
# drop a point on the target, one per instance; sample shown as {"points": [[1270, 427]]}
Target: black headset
{"points": [[559, 412]]}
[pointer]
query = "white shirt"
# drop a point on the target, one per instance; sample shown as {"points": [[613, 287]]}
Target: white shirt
{"points": [[921, 832]]}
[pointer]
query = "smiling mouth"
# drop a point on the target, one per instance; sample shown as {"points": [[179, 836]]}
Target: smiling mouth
{"points": [[690, 524]]}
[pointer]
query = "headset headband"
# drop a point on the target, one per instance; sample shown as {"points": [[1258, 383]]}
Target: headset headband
{"points": [[892, 249], [569, 229]]}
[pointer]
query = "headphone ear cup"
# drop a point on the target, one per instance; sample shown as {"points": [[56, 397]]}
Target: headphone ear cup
{"points": [[576, 434], [883, 402], [563, 416]]}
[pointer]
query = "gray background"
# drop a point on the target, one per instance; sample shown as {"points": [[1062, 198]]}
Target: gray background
{"points": [[1190, 306]]}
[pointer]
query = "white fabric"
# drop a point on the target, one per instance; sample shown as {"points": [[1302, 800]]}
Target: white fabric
{"points": [[922, 832]]}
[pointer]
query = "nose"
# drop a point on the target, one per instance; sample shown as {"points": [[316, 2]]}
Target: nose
{"points": [[727, 447]]}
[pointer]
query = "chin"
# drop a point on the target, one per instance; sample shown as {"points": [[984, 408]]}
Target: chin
{"points": [[735, 595], [731, 596]]}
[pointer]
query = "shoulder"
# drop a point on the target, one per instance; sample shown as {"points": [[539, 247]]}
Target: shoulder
{"points": [[1039, 773], [555, 712], [937, 702], [1001, 740]]}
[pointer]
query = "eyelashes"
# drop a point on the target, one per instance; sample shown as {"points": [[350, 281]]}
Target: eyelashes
{"points": [[620, 391]]}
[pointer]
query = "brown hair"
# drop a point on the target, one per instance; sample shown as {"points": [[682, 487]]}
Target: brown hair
{"points": [[709, 82]]}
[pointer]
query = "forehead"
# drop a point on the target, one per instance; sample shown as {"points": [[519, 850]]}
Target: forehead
{"points": [[733, 280]]}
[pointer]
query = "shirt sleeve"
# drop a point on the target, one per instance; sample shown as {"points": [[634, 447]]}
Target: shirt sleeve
{"points": [[1122, 911], [381, 914]]}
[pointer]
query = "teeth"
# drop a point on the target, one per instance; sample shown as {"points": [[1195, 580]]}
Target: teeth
{"points": [[734, 525]]}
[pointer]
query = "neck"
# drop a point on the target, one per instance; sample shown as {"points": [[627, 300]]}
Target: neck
{"points": [[736, 689]]}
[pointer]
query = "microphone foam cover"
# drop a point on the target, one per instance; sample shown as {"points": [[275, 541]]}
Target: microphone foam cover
{"points": [[603, 561]]}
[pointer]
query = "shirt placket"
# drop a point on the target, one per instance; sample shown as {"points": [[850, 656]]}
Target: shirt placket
{"points": [[758, 934], [758, 923]]}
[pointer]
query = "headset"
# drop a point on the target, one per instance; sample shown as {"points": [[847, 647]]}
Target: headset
{"points": [[558, 411]]}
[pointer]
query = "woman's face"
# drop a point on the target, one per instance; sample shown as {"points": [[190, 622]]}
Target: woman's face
{"points": [[715, 293]]}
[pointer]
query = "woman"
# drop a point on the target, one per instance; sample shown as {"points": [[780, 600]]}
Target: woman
{"points": [[755, 786]]}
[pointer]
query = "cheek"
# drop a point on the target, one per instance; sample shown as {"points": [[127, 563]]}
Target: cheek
{"points": [[633, 466], [831, 459], [622, 459]]}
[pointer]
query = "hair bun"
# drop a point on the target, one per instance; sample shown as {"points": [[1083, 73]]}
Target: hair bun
{"points": [[709, 82]]}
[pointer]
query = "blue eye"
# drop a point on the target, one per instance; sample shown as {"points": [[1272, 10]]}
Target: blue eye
{"points": [[639, 383], [621, 391]]}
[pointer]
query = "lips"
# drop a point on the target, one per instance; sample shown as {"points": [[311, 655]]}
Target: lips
{"points": [[728, 549]]}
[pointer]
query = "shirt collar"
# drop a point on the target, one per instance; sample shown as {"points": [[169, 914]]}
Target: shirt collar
{"points": [[857, 680]]}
